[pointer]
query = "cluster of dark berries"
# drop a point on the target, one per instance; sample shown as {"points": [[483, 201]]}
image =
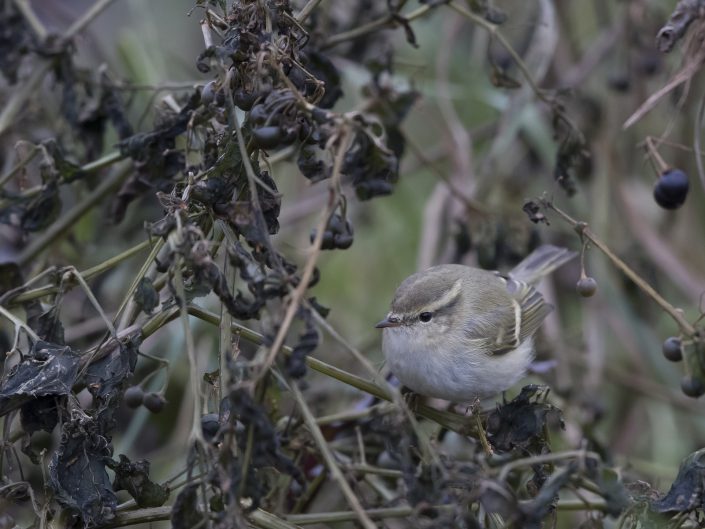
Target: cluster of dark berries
{"points": [[135, 397], [338, 234], [671, 189], [691, 385]]}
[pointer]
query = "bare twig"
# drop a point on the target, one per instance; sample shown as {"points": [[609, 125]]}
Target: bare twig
{"points": [[196, 433], [371, 27], [56, 230], [452, 421], [88, 17], [696, 140], [585, 231], [20, 96], [298, 293], [22, 296], [307, 9], [18, 323], [332, 465], [31, 17]]}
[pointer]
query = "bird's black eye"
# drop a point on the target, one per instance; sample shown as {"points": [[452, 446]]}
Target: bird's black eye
{"points": [[425, 316]]}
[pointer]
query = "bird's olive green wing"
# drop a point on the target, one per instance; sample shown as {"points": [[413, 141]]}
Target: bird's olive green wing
{"points": [[517, 317]]}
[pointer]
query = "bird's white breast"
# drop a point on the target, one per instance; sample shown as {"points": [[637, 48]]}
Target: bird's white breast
{"points": [[453, 372]]}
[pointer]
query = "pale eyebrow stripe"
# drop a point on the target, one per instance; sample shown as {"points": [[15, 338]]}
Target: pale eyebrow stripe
{"points": [[447, 298]]}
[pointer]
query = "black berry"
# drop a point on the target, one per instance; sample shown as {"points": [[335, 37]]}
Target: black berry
{"points": [[244, 99], [619, 82], [258, 114], [671, 189], [693, 387], [267, 137], [133, 397], [210, 425], [672, 349], [586, 286], [154, 402]]}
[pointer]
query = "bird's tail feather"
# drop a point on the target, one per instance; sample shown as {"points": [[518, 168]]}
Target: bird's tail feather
{"points": [[541, 262]]}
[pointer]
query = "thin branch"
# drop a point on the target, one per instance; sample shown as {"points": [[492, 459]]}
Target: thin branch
{"points": [[332, 465], [31, 17], [225, 332], [450, 420], [20, 165], [298, 293], [370, 27], [95, 10], [21, 94], [72, 272], [196, 432], [18, 323], [545, 458], [56, 230], [494, 31], [696, 140], [135, 282], [585, 231], [306, 10], [349, 516]]}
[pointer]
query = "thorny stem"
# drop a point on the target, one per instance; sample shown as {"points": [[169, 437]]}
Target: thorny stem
{"points": [[332, 465], [583, 229]]}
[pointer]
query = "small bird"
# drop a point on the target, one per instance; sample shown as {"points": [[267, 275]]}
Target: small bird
{"points": [[460, 333]]}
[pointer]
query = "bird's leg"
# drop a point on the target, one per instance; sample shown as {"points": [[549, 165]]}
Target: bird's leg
{"points": [[482, 436], [410, 397]]}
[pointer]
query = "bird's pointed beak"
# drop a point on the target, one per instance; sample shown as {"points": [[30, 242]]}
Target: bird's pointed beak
{"points": [[389, 321]]}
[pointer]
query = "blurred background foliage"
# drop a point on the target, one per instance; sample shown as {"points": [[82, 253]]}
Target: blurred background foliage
{"points": [[476, 151]]}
